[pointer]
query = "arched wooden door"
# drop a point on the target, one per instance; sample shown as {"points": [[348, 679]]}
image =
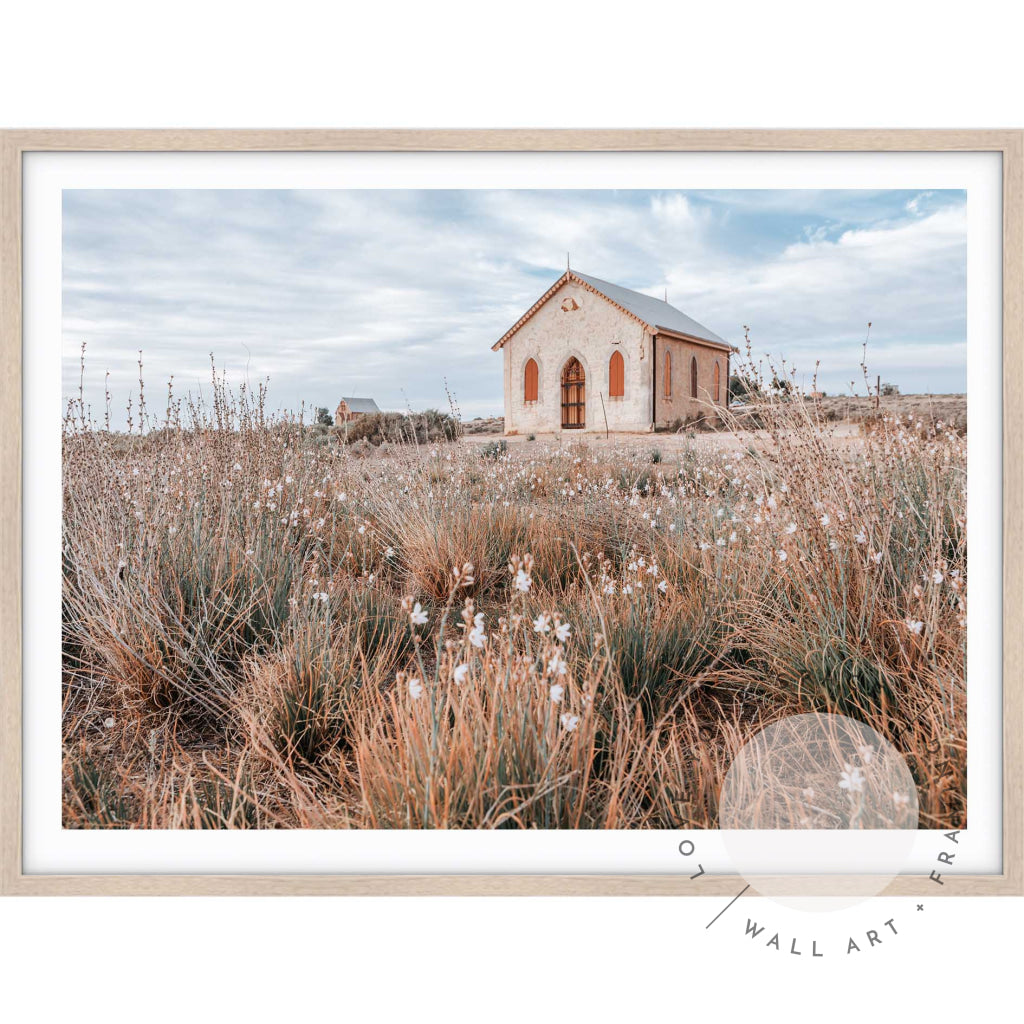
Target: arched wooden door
{"points": [[574, 398]]}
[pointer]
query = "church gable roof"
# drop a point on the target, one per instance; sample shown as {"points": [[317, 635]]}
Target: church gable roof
{"points": [[360, 404], [654, 314]]}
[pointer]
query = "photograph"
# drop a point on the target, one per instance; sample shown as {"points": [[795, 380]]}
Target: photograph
{"points": [[514, 508]]}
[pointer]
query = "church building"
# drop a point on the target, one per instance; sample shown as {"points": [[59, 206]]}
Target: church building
{"points": [[589, 355]]}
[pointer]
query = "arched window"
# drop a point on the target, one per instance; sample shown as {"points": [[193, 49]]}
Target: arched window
{"points": [[616, 376], [718, 382], [530, 381], [693, 377], [668, 373]]}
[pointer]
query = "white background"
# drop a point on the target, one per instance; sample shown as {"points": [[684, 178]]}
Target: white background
{"points": [[483, 65]]}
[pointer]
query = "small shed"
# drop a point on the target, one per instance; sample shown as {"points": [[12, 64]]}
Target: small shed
{"points": [[352, 408]]}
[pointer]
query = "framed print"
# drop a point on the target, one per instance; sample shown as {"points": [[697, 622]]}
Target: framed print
{"points": [[511, 512]]}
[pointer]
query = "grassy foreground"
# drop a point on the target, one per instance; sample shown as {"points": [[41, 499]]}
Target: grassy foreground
{"points": [[263, 630]]}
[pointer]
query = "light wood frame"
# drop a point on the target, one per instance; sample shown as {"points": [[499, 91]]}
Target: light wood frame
{"points": [[15, 144]]}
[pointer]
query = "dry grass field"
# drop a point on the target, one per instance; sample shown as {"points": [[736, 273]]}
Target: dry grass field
{"points": [[262, 629]]}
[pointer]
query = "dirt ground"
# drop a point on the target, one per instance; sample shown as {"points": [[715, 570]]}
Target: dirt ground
{"points": [[845, 417], [842, 433]]}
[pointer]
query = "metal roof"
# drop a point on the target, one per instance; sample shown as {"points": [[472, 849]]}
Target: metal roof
{"points": [[655, 314], [361, 404], [652, 311]]}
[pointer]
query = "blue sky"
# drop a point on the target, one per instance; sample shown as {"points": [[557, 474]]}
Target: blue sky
{"points": [[387, 293]]}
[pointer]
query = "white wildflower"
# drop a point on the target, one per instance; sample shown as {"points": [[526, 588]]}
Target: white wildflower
{"points": [[418, 616], [460, 673], [852, 779], [557, 690], [569, 722], [557, 666], [477, 634], [415, 688]]}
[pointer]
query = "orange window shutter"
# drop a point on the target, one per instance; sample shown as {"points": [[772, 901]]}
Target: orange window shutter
{"points": [[718, 382], [530, 384], [668, 374], [616, 376]]}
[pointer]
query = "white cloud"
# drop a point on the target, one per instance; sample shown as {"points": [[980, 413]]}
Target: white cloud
{"points": [[814, 299]]}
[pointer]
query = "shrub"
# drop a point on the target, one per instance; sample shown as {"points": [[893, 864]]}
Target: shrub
{"points": [[401, 428], [494, 449], [302, 694], [96, 797], [491, 752], [658, 647]]}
